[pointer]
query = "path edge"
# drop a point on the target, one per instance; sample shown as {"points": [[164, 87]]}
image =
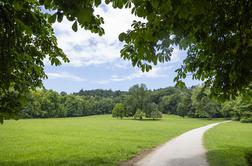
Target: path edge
{"points": [[142, 154]]}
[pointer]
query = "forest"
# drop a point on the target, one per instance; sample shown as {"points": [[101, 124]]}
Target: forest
{"points": [[138, 102]]}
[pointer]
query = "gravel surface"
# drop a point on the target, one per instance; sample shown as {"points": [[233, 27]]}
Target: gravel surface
{"points": [[184, 150]]}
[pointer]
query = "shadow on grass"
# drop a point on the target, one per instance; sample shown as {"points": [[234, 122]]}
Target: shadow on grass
{"points": [[141, 119], [83, 162], [230, 156]]}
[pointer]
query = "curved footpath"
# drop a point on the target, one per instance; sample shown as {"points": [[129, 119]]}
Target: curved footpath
{"points": [[184, 150]]}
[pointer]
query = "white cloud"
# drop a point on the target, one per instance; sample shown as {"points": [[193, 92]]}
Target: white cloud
{"points": [[64, 75], [175, 55], [84, 48], [156, 72]]}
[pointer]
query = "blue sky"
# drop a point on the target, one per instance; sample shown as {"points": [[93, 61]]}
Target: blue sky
{"points": [[95, 61]]}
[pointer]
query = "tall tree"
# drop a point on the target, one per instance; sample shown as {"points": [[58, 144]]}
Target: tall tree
{"points": [[137, 99], [217, 35], [119, 111], [170, 103], [204, 106]]}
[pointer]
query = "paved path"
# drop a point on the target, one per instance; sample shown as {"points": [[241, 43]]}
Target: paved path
{"points": [[184, 150]]}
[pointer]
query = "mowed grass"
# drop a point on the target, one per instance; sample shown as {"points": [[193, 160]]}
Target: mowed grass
{"points": [[94, 140], [229, 144]]}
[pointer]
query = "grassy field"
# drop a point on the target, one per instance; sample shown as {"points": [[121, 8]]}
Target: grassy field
{"points": [[229, 144], [94, 140]]}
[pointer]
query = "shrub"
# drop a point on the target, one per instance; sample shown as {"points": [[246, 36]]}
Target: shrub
{"points": [[139, 114], [155, 114], [118, 111], [249, 158], [246, 114], [246, 120]]}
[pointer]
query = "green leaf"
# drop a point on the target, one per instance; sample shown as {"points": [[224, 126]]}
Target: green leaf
{"points": [[107, 1], [97, 2], [122, 36], [60, 17], [75, 26], [52, 18], [180, 84]]}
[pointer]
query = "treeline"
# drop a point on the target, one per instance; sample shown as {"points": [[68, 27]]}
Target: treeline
{"points": [[50, 104], [137, 102], [100, 93]]}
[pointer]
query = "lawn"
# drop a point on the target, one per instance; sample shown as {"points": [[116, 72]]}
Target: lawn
{"points": [[93, 140], [229, 144]]}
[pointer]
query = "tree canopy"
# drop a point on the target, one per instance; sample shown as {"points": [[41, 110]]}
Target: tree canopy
{"points": [[193, 102], [216, 34]]}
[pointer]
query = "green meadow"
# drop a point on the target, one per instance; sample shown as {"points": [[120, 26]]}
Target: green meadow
{"points": [[229, 144], [93, 140]]}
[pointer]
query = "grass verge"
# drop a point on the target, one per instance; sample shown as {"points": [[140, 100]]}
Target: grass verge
{"points": [[229, 144]]}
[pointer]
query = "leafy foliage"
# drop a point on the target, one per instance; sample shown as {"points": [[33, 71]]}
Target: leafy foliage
{"points": [[50, 104], [217, 35], [139, 114], [119, 111], [27, 38], [138, 102], [205, 107], [137, 98], [239, 108]]}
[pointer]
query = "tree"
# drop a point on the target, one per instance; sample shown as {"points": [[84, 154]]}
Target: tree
{"points": [[118, 111], [239, 108], [51, 104], [184, 107], [227, 109], [204, 106], [155, 114], [104, 105], [137, 98], [139, 114], [217, 35], [33, 108], [169, 104], [218, 40], [156, 95], [75, 106], [152, 111], [26, 39]]}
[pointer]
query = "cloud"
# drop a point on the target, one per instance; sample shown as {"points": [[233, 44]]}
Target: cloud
{"points": [[156, 72], [64, 75], [84, 48]]}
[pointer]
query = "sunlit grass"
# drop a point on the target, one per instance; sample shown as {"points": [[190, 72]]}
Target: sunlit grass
{"points": [[229, 144], [94, 140]]}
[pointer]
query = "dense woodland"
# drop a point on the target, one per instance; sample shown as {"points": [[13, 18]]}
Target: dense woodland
{"points": [[137, 102]]}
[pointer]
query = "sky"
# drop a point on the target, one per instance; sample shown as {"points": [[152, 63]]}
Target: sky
{"points": [[95, 61]]}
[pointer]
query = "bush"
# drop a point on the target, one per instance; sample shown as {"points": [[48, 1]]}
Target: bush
{"points": [[246, 117], [246, 120], [249, 158], [246, 114], [236, 118], [155, 114], [118, 111], [139, 114]]}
